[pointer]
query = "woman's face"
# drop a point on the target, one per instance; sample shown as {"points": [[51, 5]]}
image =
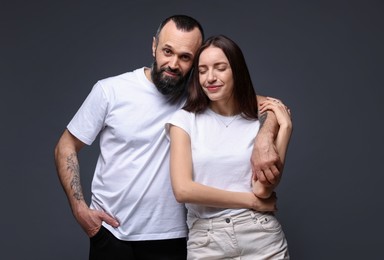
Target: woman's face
{"points": [[215, 74]]}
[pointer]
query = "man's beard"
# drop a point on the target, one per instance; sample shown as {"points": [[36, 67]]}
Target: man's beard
{"points": [[171, 87]]}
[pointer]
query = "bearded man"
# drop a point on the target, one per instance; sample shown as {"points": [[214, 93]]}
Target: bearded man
{"points": [[133, 213]]}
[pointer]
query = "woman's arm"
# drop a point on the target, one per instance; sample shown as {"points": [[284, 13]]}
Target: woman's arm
{"points": [[188, 191]]}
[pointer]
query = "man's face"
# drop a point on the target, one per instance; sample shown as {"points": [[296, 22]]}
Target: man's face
{"points": [[173, 57]]}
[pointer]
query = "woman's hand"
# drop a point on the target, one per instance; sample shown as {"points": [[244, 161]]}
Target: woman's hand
{"points": [[281, 111], [264, 205]]}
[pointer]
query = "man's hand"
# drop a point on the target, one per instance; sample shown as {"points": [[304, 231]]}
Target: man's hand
{"points": [[90, 220], [266, 164]]}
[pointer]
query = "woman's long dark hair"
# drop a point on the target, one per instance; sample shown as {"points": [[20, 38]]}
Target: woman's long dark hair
{"points": [[243, 91]]}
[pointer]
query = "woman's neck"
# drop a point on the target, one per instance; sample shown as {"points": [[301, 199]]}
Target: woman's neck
{"points": [[226, 108]]}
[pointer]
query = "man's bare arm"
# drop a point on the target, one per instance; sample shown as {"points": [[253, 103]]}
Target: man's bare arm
{"points": [[266, 163], [68, 170], [283, 118]]}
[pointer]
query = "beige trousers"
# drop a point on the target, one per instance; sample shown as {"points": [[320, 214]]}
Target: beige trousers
{"points": [[250, 235]]}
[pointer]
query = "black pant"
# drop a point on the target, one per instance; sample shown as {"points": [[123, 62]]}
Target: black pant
{"points": [[105, 246]]}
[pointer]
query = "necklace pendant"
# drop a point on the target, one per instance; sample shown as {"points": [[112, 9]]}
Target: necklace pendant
{"points": [[226, 123]]}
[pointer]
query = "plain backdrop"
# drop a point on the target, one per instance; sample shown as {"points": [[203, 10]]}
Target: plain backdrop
{"points": [[324, 59]]}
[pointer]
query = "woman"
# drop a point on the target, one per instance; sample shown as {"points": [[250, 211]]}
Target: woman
{"points": [[211, 143]]}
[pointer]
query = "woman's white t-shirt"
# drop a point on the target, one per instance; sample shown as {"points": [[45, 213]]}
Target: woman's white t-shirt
{"points": [[221, 153]]}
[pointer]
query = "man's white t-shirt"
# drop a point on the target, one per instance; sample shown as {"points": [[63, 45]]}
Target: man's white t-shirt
{"points": [[131, 180]]}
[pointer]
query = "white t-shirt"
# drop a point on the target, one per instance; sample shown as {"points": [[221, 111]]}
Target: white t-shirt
{"points": [[131, 180], [220, 155]]}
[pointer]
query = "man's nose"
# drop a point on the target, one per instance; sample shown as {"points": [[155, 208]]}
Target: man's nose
{"points": [[174, 62]]}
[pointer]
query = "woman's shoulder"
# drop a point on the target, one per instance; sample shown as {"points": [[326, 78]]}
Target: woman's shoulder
{"points": [[184, 113]]}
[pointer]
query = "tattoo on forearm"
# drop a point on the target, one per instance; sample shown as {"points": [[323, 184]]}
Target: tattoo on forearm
{"points": [[74, 168], [262, 118]]}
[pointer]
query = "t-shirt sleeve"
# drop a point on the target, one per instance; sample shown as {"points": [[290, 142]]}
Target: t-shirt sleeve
{"points": [[182, 119], [90, 118]]}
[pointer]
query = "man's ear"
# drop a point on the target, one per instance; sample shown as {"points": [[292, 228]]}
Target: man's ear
{"points": [[154, 46]]}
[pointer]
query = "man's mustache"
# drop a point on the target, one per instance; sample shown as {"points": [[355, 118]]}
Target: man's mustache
{"points": [[168, 69]]}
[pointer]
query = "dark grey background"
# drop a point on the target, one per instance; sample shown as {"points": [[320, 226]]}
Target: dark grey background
{"points": [[324, 59]]}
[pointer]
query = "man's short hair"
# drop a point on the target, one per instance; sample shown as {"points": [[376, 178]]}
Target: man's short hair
{"points": [[183, 23]]}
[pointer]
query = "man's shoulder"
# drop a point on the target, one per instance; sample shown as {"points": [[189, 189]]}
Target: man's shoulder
{"points": [[130, 75]]}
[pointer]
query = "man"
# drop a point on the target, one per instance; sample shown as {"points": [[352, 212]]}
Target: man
{"points": [[133, 213]]}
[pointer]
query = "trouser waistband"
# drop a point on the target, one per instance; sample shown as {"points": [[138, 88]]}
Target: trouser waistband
{"points": [[225, 221]]}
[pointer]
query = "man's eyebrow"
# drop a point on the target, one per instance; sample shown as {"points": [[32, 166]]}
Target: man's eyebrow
{"points": [[167, 46]]}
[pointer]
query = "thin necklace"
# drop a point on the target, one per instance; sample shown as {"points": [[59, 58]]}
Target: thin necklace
{"points": [[218, 116]]}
